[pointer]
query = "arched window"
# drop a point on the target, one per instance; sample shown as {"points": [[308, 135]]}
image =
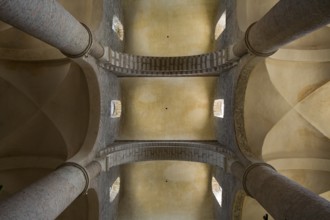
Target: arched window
{"points": [[219, 108], [115, 109], [114, 189], [117, 27], [217, 190], [220, 26]]}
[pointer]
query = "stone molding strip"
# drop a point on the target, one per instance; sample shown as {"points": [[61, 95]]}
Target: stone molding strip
{"points": [[88, 47], [128, 152], [83, 170], [245, 68], [238, 205], [249, 46], [127, 65], [247, 171]]}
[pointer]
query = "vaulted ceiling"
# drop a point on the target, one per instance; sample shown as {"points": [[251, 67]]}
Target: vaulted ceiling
{"points": [[46, 103]]}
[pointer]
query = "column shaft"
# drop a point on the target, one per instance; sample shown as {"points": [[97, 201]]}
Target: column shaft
{"points": [[48, 21], [48, 197], [285, 22], [282, 197]]}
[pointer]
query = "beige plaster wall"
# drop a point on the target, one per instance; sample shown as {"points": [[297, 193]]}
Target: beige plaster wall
{"points": [[169, 27], [287, 113], [44, 107], [252, 210], [167, 189], [167, 108]]}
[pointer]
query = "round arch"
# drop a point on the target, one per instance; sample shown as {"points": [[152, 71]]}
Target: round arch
{"points": [[129, 152]]}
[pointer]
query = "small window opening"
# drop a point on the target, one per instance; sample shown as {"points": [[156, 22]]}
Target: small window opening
{"points": [[220, 26], [217, 191], [118, 28], [219, 108], [115, 109], [114, 189]]}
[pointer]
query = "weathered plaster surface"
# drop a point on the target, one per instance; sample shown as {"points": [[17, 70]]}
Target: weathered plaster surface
{"points": [[167, 108], [167, 190]]}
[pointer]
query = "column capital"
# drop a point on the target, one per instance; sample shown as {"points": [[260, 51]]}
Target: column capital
{"points": [[248, 45], [247, 171], [82, 169], [88, 47]]}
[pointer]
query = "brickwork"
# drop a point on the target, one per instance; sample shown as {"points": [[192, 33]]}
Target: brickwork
{"points": [[199, 65], [128, 152]]}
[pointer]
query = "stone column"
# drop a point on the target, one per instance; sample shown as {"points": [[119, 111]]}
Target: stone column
{"points": [[48, 197], [280, 196], [285, 22], [51, 23]]}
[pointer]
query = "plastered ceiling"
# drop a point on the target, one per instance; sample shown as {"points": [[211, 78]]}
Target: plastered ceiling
{"points": [[45, 106], [287, 113], [287, 98], [168, 109]]}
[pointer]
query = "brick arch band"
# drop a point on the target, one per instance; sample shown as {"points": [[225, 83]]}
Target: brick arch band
{"points": [[129, 152], [129, 65]]}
